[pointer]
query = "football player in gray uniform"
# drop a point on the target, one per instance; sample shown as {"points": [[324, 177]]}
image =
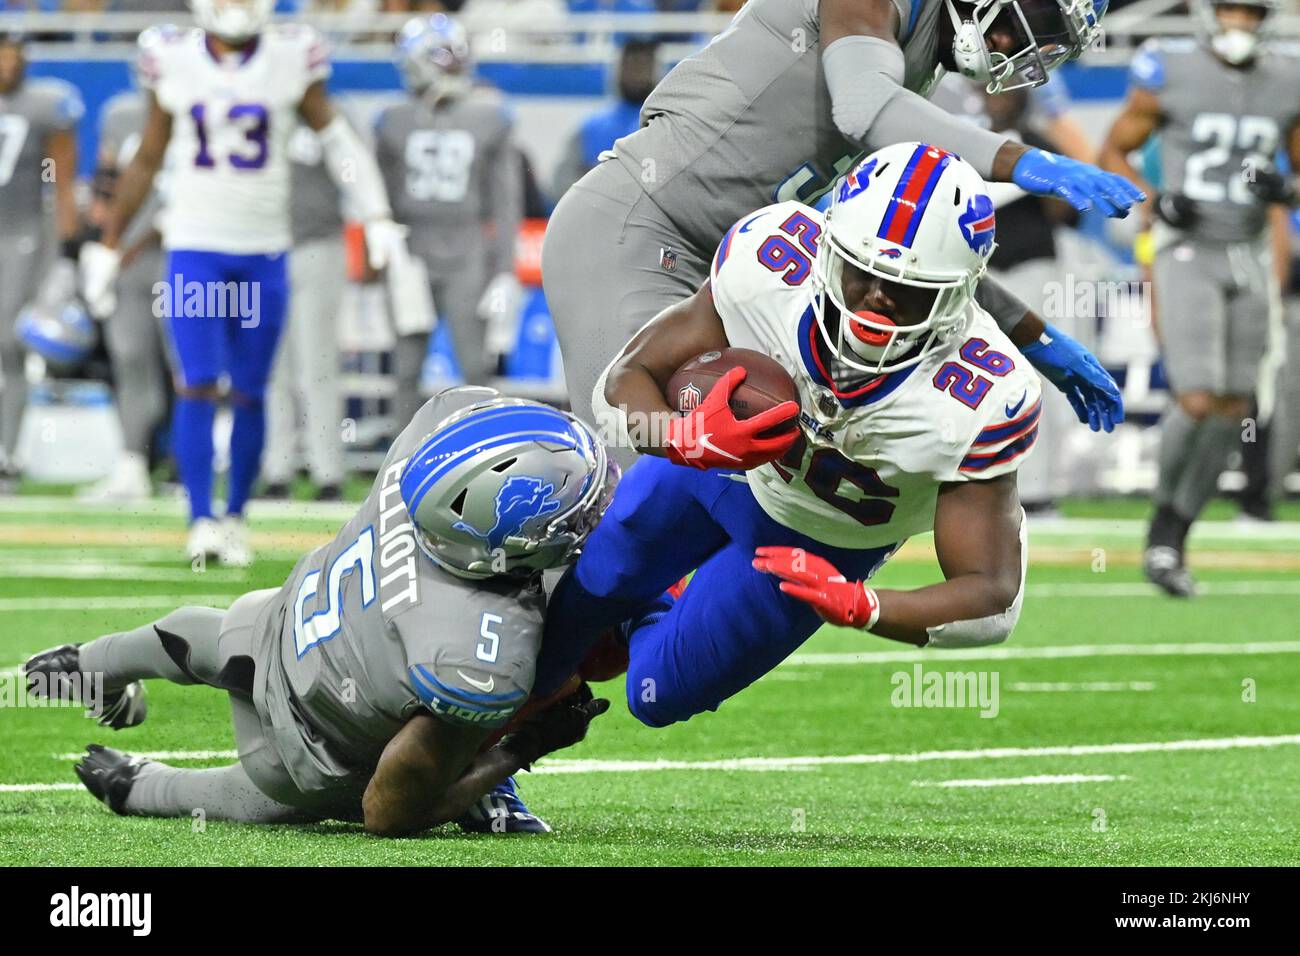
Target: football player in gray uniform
{"points": [[1223, 105], [38, 119], [368, 685], [453, 174], [778, 106]]}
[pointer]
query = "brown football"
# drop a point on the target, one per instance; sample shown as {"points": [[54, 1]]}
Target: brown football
{"points": [[766, 385]]}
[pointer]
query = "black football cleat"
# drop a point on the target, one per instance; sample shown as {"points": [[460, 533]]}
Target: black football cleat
{"points": [[109, 774], [60, 678], [1164, 567], [501, 811]]}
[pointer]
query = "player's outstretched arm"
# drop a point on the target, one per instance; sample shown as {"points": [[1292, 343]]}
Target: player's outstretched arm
{"points": [[137, 179], [1132, 128], [978, 535], [409, 789]]}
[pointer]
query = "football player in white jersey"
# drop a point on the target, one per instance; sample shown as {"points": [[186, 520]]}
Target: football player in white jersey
{"points": [[914, 412], [225, 98]]}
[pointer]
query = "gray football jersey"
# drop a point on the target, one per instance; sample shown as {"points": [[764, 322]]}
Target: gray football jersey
{"points": [[1218, 122], [314, 202], [747, 121], [368, 631], [121, 124], [28, 116], [453, 177]]}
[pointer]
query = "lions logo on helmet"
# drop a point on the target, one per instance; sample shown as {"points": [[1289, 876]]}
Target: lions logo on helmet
{"points": [[506, 486], [926, 221]]}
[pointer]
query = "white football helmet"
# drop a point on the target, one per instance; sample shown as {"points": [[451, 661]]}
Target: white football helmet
{"points": [[912, 214], [233, 20], [1236, 46]]}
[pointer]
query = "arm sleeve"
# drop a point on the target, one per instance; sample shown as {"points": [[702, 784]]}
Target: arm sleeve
{"points": [[505, 204], [998, 301], [354, 170], [870, 106]]}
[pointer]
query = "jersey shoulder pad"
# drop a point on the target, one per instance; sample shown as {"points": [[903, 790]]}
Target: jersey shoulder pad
{"points": [[300, 43], [1008, 417], [477, 666], [770, 249], [1147, 69], [61, 104], [165, 48]]}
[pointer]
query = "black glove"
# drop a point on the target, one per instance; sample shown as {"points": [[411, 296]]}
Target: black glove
{"points": [[561, 725], [1177, 210], [1270, 186]]}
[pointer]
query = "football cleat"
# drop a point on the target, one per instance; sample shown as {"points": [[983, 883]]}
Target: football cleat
{"points": [[501, 811], [236, 552], [1164, 567], [109, 774], [329, 492], [205, 539], [277, 491], [119, 709]]}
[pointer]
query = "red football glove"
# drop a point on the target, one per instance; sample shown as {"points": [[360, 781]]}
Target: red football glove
{"points": [[816, 581], [711, 436]]}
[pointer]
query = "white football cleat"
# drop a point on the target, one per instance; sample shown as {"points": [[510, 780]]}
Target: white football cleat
{"points": [[236, 552], [205, 540], [128, 481]]}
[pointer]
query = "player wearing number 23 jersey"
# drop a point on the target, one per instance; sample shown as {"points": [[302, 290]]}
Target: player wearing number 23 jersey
{"points": [[914, 413]]}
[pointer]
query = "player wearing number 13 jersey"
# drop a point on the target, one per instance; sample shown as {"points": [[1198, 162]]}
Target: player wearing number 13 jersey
{"points": [[915, 411], [224, 98]]}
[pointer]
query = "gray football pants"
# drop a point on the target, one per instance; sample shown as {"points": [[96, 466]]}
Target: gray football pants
{"points": [[456, 296], [19, 274], [135, 347], [611, 261], [203, 645], [304, 404]]}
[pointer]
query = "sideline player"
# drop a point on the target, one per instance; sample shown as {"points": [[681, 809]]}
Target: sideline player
{"points": [[775, 108], [915, 411], [226, 97], [364, 687], [453, 173], [38, 121], [1223, 106]]}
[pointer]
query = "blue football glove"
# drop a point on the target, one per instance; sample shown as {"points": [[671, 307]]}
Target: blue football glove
{"points": [[1081, 185], [1073, 369]]}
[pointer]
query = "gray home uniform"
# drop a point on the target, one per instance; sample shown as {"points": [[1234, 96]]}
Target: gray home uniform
{"points": [[1212, 280], [304, 403], [744, 122], [454, 178], [322, 673], [133, 333], [29, 115]]}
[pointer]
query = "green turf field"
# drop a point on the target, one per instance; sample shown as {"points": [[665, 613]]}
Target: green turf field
{"points": [[1129, 729]]}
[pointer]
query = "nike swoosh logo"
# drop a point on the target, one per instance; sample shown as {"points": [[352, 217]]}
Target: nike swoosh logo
{"points": [[1012, 409], [485, 686], [745, 227], [705, 443]]}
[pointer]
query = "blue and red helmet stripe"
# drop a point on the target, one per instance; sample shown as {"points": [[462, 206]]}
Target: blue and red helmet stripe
{"points": [[912, 194]]}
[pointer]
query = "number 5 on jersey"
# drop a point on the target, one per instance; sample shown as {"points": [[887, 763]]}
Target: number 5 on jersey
{"points": [[323, 624]]}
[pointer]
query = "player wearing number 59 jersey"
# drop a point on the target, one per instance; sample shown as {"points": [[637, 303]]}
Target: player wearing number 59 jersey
{"points": [[225, 97], [915, 413], [1224, 105]]}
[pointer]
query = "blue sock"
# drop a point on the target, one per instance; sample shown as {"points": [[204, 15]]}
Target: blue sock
{"points": [[247, 436], [192, 446]]}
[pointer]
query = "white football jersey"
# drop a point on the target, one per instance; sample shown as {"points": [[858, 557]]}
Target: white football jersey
{"points": [[231, 123], [867, 468]]}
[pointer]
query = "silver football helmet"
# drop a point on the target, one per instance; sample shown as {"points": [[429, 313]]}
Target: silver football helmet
{"points": [[507, 486], [433, 56]]}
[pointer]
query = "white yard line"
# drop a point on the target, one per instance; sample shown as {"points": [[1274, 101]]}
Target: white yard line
{"points": [[1050, 652], [1065, 687], [55, 505], [107, 571], [115, 602], [1138, 589], [1025, 781], [561, 766]]}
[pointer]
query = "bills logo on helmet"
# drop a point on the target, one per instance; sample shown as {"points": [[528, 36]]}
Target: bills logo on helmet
{"points": [[521, 499], [891, 253], [857, 180], [689, 398], [977, 224]]}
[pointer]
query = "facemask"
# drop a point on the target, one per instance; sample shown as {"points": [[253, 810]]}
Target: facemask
{"points": [[1235, 46]]}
